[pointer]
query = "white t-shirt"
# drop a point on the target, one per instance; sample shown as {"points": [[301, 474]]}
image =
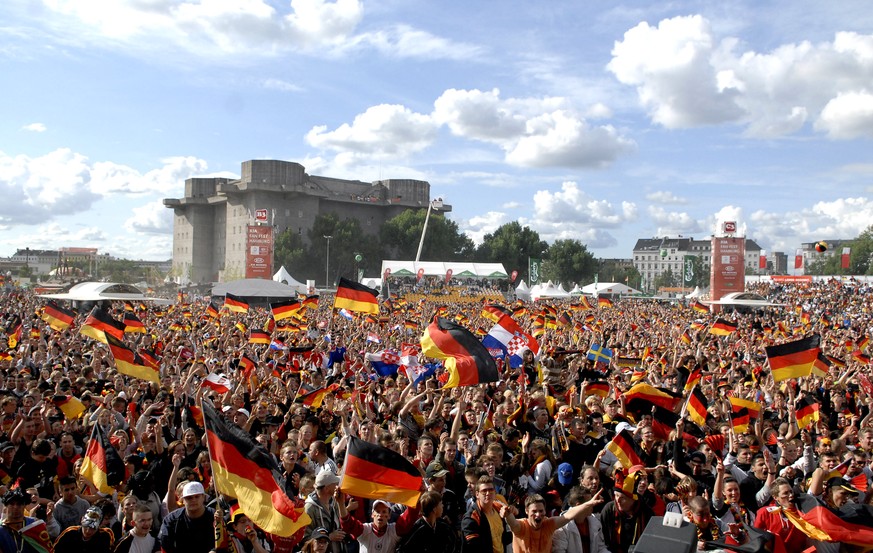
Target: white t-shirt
{"points": [[144, 544]]}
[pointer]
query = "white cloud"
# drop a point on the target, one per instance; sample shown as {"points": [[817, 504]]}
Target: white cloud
{"points": [[152, 218], [686, 77], [665, 197], [674, 223], [571, 213], [34, 127], [848, 116], [63, 182], [383, 131], [403, 41], [480, 225], [280, 85], [511, 205], [842, 218]]}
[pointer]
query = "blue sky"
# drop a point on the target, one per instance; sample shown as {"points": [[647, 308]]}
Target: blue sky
{"points": [[601, 121]]}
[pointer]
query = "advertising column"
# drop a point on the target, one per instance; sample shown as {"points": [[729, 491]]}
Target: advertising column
{"points": [[259, 252], [728, 272]]}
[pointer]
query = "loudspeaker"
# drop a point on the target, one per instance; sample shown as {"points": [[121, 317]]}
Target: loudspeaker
{"points": [[657, 538]]}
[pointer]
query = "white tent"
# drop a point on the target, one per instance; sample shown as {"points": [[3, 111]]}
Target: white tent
{"points": [[576, 291], [522, 291], [547, 290], [608, 289], [372, 282], [695, 294], [282, 275], [438, 268]]}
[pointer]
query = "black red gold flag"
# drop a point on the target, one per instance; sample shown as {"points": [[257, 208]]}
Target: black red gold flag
{"points": [[467, 361], [375, 472], [625, 449], [101, 464], [356, 297], [794, 359], [99, 324], [241, 468], [235, 303]]}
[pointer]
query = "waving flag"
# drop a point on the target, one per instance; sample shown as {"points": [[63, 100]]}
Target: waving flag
{"points": [[375, 472], [507, 338], [284, 309], [132, 324], [100, 323], [386, 363], [467, 361], [245, 470], [101, 464], [57, 317], [625, 449], [131, 363], [356, 297], [217, 382], [794, 359], [599, 354], [236, 304]]}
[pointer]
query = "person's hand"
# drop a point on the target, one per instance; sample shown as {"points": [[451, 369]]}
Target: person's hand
{"points": [[177, 460], [49, 510], [337, 535], [719, 467]]}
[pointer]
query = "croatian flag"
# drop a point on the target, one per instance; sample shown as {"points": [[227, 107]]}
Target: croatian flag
{"points": [[345, 313], [418, 372], [217, 382], [508, 339], [278, 345], [386, 362], [374, 338]]}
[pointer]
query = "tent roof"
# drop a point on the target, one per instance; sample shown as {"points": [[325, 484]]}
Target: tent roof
{"points": [[282, 275], [439, 268], [254, 288], [103, 291], [598, 288]]}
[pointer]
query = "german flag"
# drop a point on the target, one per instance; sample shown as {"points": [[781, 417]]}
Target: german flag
{"points": [[863, 342], [604, 302], [860, 357], [852, 524], [99, 324], [686, 337], [101, 464], [697, 406], [132, 324], [805, 318], [211, 311], [58, 318], [310, 302], [235, 304], [693, 378], [753, 407], [699, 307], [150, 358], [270, 325], [625, 449], [315, 398], [259, 337], [70, 406], [131, 363], [241, 326], [794, 359], [241, 468], [740, 420], [13, 332], [806, 409], [465, 358], [597, 388], [284, 309], [663, 422], [247, 364], [5, 356], [836, 362], [35, 334], [821, 366], [658, 396], [493, 311], [628, 362], [723, 327], [356, 297], [375, 472]]}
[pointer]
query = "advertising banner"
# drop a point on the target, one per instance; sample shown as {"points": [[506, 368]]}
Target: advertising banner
{"points": [[259, 252], [728, 272]]}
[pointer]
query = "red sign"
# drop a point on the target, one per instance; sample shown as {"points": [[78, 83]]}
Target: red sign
{"points": [[448, 276], [261, 215], [844, 258], [729, 227], [798, 262], [420, 273], [259, 252], [387, 273], [762, 262], [728, 272], [790, 279]]}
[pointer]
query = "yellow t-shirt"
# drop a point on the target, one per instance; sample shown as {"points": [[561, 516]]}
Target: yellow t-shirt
{"points": [[496, 524]]}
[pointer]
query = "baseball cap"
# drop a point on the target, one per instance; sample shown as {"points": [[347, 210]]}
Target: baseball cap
{"points": [[381, 502], [326, 478], [320, 534], [838, 481], [244, 412], [435, 470], [565, 474], [92, 519], [193, 488]]}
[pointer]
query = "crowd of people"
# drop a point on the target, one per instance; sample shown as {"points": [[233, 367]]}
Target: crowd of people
{"points": [[519, 464]]}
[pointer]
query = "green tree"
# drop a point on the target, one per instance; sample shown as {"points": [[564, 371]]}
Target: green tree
{"points": [[569, 262], [443, 241], [290, 251], [347, 240], [667, 279], [611, 271], [861, 256], [512, 245]]}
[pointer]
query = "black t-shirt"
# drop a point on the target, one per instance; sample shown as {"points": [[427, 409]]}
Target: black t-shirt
{"points": [[181, 534]]}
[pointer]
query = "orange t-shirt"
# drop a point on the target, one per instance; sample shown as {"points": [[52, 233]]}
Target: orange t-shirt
{"points": [[530, 540]]}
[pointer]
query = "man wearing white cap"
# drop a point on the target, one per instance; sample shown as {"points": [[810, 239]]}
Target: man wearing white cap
{"points": [[378, 536], [323, 510], [189, 529]]}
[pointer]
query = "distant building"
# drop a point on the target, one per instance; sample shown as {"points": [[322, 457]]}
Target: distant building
{"points": [[655, 256], [809, 254], [44, 262], [211, 223]]}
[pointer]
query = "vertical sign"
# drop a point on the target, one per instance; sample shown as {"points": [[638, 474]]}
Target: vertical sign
{"points": [[259, 252], [534, 266], [728, 272], [687, 270], [844, 259]]}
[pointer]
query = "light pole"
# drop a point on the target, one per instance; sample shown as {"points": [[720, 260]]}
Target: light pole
{"points": [[327, 263], [438, 204]]}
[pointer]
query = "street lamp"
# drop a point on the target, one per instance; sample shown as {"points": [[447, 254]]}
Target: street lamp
{"points": [[327, 263], [433, 204]]}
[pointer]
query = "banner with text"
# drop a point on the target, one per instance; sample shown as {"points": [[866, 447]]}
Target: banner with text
{"points": [[259, 252]]}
